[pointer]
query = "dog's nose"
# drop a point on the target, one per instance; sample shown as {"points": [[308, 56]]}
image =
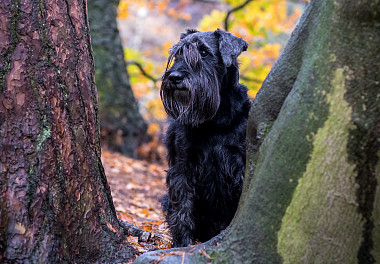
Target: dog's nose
{"points": [[175, 77]]}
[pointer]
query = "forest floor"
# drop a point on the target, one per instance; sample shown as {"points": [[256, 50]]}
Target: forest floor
{"points": [[137, 187]]}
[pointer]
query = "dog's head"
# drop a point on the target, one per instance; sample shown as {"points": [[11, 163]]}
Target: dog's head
{"points": [[197, 67]]}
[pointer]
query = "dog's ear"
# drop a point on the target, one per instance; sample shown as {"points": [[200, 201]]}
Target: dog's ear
{"points": [[188, 32], [230, 47]]}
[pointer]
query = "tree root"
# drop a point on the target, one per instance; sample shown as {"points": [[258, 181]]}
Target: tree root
{"points": [[133, 230]]}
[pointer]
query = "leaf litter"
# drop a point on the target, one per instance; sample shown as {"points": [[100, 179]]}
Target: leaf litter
{"points": [[136, 187]]}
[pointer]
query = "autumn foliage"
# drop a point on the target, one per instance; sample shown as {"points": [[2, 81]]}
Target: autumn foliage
{"points": [[265, 24]]}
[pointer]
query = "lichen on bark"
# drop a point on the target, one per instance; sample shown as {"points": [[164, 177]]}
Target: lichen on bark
{"points": [[311, 230]]}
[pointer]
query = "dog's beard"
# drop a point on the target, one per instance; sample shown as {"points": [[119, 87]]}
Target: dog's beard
{"points": [[197, 100]]}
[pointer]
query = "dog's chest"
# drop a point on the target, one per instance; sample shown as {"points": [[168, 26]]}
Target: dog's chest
{"points": [[203, 150]]}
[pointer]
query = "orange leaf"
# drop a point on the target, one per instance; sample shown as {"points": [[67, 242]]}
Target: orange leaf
{"points": [[147, 228]]}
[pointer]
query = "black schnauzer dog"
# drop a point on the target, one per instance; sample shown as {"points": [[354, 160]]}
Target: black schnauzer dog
{"points": [[206, 136]]}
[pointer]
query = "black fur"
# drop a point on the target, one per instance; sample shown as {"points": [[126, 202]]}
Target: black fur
{"points": [[206, 136]]}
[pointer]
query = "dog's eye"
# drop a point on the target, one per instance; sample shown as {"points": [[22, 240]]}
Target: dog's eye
{"points": [[203, 53]]}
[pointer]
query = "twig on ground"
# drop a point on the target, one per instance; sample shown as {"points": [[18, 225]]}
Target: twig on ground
{"points": [[133, 230]]}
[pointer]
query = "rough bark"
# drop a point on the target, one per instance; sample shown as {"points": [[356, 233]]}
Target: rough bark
{"points": [[122, 127], [311, 193], [55, 203]]}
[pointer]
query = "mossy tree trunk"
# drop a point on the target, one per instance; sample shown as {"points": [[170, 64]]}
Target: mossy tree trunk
{"points": [[122, 127], [312, 188], [55, 203]]}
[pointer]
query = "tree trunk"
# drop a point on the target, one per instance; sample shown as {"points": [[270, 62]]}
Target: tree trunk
{"points": [[122, 127], [311, 193], [55, 203]]}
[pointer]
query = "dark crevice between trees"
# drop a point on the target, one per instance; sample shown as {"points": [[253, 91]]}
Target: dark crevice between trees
{"points": [[364, 145], [365, 158]]}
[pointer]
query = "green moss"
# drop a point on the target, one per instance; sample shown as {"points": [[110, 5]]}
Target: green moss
{"points": [[322, 215], [263, 129], [44, 134], [219, 256]]}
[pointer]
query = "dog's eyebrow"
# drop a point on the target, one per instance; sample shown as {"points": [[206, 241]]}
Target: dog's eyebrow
{"points": [[203, 46]]}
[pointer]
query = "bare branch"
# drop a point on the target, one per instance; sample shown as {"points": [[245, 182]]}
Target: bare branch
{"points": [[208, 1], [143, 72], [232, 11], [247, 79]]}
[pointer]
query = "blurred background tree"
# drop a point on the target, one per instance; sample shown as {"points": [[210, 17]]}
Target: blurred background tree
{"points": [[122, 127]]}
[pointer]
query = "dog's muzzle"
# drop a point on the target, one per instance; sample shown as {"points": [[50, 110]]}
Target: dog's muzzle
{"points": [[181, 92], [176, 77]]}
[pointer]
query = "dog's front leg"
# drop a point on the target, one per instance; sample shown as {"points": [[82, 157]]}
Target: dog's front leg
{"points": [[179, 214]]}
